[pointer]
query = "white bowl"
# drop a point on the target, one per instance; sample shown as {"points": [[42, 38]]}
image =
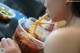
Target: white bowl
{"points": [[9, 9]]}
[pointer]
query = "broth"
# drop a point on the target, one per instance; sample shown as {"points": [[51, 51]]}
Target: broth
{"points": [[27, 44]]}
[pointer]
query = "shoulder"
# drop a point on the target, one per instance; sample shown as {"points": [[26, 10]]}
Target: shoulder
{"points": [[65, 34], [64, 40], [66, 31]]}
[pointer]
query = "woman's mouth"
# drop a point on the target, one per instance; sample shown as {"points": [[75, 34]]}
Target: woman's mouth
{"points": [[47, 12], [48, 15]]}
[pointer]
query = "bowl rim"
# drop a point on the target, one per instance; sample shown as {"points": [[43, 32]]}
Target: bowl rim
{"points": [[9, 9], [23, 19]]}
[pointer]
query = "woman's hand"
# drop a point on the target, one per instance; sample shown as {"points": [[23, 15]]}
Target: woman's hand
{"points": [[9, 45], [51, 27], [56, 25]]}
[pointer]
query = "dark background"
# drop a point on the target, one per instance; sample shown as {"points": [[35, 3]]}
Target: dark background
{"points": [[31, 8]]}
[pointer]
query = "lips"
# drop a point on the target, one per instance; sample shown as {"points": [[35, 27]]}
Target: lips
{"points": [[47, 12], [48, 15]]}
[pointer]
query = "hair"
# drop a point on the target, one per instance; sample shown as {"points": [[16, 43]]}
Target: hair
{"points": [[76, 8]]}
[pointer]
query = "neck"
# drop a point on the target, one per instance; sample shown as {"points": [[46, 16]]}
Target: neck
{"points": [[65, 16]]}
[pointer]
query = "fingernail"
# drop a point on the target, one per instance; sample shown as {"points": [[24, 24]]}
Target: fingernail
{"points": [[8, 39], [3, 38]]}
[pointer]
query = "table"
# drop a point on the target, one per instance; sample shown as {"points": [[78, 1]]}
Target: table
{"points": [[9, 29]]}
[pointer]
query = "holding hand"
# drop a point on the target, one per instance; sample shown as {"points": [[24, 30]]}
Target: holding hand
{"points": [[9, 45], [51, 27]]}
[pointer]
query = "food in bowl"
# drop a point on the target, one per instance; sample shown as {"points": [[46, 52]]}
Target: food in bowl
{"points": [[6, 14], [5, 11], [26, 43]]}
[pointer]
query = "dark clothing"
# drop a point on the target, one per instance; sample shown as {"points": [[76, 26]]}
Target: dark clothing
{"points": [[31, 8]]}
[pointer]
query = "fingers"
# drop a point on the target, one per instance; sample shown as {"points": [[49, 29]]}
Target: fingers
{"points": [[4, 43], [49, 27], [7, 43], [56, 25], [17, 46], [1, 45], [14, 47], [10, 46], [10, 42]]}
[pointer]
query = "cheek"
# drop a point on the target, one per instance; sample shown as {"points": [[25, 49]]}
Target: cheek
{"points": [[54, 8], [50, 8]]}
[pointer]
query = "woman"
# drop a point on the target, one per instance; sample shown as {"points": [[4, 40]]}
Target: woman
{"points": [[66, 40], [68, 10]]}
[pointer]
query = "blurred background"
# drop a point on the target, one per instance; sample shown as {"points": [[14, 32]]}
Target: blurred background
{"points": [[31, 8], [22, 8]]}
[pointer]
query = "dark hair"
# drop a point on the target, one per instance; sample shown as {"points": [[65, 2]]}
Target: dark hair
{"points": [[76, 8]]}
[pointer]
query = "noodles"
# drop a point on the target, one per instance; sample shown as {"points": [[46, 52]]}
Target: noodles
{"points": [[34, 26], [33, 29]]}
